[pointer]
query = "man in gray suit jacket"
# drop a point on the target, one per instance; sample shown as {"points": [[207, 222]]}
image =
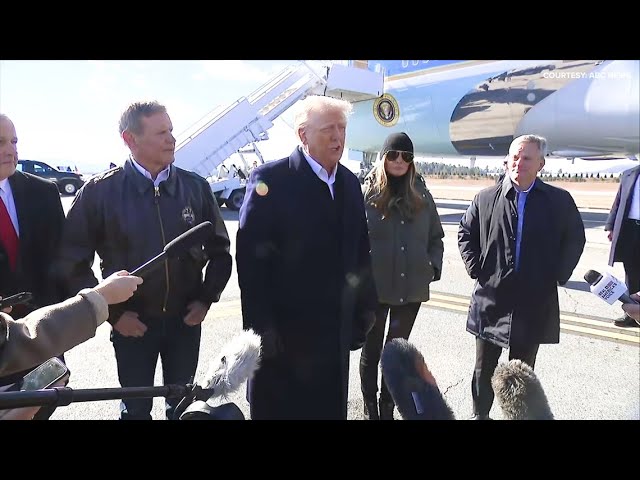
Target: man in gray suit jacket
{"points": [[623, 226]]}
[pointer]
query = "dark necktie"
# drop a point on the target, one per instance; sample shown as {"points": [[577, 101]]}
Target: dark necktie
{"points": [[8, 235]]}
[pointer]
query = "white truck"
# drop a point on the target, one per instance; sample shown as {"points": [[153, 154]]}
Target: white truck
{"points": [[229, 191], [229, 183]]}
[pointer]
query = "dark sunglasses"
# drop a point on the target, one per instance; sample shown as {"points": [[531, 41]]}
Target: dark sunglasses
{"points": [[392, 155]]}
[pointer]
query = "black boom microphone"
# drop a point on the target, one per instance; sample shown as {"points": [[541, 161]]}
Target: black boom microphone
{"points": [[519, 392], [232, 367], [411, 384], [63, 396], [194, 236]]}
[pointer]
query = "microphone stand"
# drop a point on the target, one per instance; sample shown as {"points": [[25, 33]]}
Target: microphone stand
{"points": [[63, 396]]}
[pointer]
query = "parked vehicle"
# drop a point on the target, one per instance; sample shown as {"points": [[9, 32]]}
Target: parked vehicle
{"points": [[68, 182]]}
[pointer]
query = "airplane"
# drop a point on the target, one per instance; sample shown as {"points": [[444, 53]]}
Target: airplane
{"points": [[588, 109]]}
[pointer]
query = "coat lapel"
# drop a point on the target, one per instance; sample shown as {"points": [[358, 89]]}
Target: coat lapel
{"points": [[629, 181], [347, 219], [299, 164]]}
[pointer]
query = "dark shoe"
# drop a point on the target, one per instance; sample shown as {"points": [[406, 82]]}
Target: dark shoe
{"points": [[386, 410], [481, 417], [625, 321], [371, 410]]}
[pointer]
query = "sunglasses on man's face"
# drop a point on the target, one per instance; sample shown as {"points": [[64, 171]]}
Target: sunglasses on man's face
{"points": [[392, 156]]}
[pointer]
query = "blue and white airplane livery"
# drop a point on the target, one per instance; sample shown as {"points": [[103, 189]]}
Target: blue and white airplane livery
{"points": [[585, 108]]}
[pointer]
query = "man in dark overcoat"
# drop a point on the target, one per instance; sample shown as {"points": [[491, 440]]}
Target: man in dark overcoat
{"points": [[519, 240], [304, 270]]}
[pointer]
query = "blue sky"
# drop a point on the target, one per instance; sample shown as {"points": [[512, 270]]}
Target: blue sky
{"points": [[67, 112]]}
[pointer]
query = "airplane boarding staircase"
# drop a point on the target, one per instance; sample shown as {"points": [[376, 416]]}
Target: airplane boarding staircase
{"points": [[203, 148]]}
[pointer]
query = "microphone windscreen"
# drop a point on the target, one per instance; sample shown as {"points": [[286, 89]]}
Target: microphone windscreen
{"points": [[592, 277], [410, 383], [235, 364], [194, 236], [519, 392]]}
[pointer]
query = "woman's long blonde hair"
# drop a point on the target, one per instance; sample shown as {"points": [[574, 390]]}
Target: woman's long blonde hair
{"points": [[408, 200]]}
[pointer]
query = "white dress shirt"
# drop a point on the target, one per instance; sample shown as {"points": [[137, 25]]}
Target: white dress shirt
{"points": [[321, 172], [162, 176]]}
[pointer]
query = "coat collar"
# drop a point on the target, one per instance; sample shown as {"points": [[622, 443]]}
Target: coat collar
{"points": [[143, 184], [298, 163], [507, 187], [632, 172]]}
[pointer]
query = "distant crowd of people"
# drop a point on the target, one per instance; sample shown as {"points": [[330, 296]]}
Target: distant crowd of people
{"points": [[323, 268]]}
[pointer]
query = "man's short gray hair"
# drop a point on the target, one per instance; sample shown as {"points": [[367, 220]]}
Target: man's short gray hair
{"points": [[131, 119], [316, 103], [540, 141]]}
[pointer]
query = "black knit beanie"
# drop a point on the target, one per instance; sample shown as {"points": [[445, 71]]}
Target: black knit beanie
{"points": [[397, 141]]}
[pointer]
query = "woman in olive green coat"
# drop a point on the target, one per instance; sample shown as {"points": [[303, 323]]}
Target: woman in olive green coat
{"points": [[406, 253]]}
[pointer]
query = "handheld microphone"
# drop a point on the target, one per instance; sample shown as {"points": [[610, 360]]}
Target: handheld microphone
{"points": [[519, 392], [607, 287], [194, 236], [411, 384]]}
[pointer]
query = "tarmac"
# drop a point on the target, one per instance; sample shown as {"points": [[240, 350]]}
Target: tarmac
{"points": [[592, 374]]}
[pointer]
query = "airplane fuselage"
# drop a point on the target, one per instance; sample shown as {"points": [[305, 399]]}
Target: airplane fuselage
{"points": [[585, 108]]}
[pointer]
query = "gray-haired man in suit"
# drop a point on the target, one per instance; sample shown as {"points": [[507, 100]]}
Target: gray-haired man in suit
{"points": [[623, 226]]}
